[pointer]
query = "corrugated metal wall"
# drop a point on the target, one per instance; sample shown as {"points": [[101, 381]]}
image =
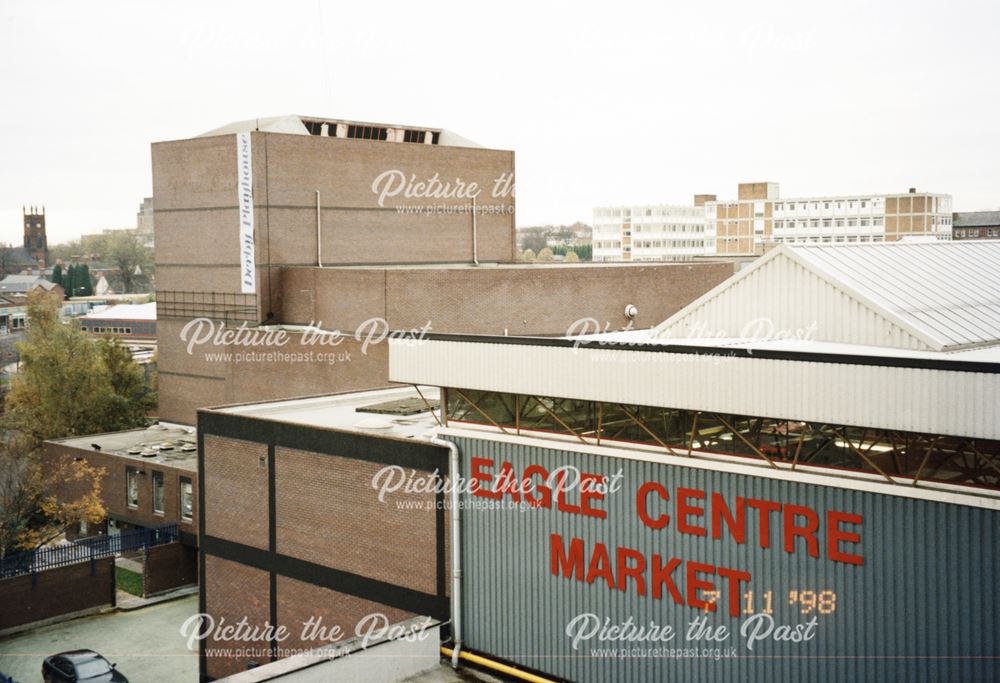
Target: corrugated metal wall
{"points": [[925, 606], [909, 399], [791, 298]]}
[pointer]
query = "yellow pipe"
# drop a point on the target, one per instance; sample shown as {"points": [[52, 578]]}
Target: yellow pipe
{"points": [[496, 666]]}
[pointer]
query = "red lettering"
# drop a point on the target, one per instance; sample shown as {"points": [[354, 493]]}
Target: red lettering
{"points": [[635, 572], [735, 592], [544, 497], [483, 480], [600, 566], [640, 504], [561, 502], [661, 576], [564, 563], [507, 484], [834, 536], [590, 490], [684, 510], [807, 532], [737, 525]]}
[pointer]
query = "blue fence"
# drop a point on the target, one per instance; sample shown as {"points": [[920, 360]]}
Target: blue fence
{"points": [[85, 550]]}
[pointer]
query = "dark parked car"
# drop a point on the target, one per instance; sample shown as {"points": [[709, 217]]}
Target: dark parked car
{"points": [[80, 665]]}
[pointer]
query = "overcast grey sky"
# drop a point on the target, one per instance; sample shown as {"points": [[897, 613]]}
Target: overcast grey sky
{"points": [[604, 103]]}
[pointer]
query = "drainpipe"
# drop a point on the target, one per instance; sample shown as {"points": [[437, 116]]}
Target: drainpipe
{"points": [[319, 234], [475, 236], [456, 548]]}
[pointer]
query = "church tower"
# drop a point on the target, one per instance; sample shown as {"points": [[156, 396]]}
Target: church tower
{"points": [[35, 241]]}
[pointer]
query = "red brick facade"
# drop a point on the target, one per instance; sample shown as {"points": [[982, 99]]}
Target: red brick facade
{"points": [[113, 483], [327, 561], [54, 592]]}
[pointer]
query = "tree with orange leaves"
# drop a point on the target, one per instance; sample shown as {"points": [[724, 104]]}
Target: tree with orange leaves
{"points": [[36, 503]]}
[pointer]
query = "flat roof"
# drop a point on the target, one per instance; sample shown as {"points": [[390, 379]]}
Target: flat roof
{"points": [[807, 347], [167, 444], [125, 312], [346, 412], [722, 258]]}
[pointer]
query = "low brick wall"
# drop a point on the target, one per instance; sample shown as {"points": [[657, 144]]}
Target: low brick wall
{"points": [[55, 592], [169, 566]]}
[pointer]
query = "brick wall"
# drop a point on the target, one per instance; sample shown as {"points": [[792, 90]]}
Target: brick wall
{"points": [[520, 300], [197, 250], [113, 486], [169, 566], [328, 513], [236, 475], [339, 554], [299, 601], [533, 300], [232, 592], [65, 590]]}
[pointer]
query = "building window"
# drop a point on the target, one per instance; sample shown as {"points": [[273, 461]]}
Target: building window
{"points": [[158, 492], [367, 132], [187, 499], [132, 487]]}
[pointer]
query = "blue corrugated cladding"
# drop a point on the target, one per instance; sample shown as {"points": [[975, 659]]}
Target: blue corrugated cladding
{"points": [[925, 605]]}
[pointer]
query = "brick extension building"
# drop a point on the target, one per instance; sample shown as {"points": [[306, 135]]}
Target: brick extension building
{"points": [[150, 477], [150, 480], [354, 222]]}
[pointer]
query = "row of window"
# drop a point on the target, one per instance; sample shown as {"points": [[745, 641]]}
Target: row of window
{"points": [[877, 222], [877, 203], [889, 453], [111, 330], [628, 212], [660, 244], [829, 238], [18, 323], [977, 232], [361, 132], [668, 227], [186, 493]]}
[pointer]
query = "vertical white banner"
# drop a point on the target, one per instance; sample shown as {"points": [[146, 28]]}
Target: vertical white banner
{"points": [[244, 175]]}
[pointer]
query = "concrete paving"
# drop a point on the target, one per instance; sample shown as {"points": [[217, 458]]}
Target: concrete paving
{"points": [[146, 643]]}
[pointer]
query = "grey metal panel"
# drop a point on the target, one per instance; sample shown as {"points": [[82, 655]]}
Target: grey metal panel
{"points": [[908, 399], [925, 606]]}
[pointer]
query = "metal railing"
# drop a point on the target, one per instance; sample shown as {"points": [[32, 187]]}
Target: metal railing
{"points": [[85, 550], [227, 306]]}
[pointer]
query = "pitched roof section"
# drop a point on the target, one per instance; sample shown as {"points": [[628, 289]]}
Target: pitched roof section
{"points": [[945, 295], [24, 283], [976, 219]]}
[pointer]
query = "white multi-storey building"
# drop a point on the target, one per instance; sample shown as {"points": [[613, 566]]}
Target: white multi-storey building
{"points": [[760, 218], [658, 232]]}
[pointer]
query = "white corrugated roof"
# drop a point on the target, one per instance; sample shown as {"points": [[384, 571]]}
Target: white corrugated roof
{"points": [[945, 294], [125, 312]]}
